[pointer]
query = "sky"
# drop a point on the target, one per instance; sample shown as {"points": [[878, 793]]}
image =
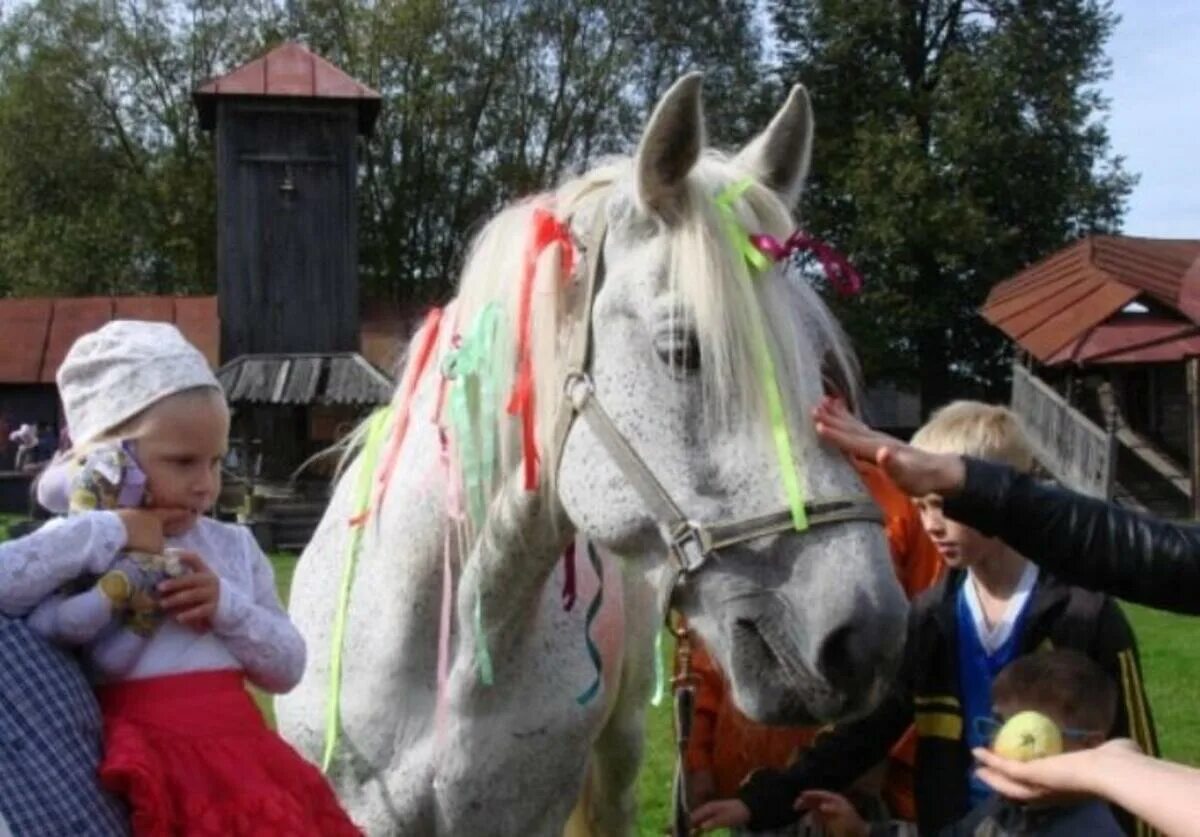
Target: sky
{"points": [[1154, 121]]}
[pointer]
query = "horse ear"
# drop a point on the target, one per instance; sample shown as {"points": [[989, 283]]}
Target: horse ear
{"points": [[670, 145], [779, 156]]}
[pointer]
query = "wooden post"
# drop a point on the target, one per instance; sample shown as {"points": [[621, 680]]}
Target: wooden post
{"points": [[1193, 391]]}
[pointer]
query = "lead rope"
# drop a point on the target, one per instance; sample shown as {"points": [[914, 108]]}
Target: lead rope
{"points": [[683, 685]]}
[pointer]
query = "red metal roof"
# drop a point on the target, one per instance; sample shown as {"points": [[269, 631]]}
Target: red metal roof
{"points": [[39, 332], [1052, 307], [1133, 338], [289, 70]]}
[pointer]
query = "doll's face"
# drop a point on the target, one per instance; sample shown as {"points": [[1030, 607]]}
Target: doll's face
{"points": [[180, 445]]}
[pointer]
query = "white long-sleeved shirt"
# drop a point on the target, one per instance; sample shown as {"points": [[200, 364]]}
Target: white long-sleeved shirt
{"points": [[250, 631]]}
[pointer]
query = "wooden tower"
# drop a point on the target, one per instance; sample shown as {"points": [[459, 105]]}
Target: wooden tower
{"points": [[286, 127]]}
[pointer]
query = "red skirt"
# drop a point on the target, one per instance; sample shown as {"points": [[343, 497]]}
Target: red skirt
{"points": [[191, 755]]}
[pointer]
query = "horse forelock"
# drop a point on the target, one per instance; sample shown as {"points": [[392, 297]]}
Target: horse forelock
{"points": [[727, 300]]}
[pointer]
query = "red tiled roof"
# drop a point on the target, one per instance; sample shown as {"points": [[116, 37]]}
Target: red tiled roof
{"points": [[39, 332], [1051, 307], [288, 70]]}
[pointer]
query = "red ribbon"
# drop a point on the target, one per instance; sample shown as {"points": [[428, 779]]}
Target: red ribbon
{"points": [[838, 271], [412, 376], [546, 230]]}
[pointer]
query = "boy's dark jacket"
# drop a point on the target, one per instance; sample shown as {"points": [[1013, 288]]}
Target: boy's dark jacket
{"points": [[926, 693]]}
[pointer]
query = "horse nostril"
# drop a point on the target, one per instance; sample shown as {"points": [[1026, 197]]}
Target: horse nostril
{"points": [[842, 659]]}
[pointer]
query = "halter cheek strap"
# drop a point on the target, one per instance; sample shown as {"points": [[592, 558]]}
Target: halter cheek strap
{"points": [[689, 543]]}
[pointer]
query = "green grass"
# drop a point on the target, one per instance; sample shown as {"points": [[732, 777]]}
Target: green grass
{"points": [[1170, 650], [7, 520]]}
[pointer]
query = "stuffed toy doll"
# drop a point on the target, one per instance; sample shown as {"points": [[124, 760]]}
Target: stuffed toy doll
{"points": [[117, 612]]}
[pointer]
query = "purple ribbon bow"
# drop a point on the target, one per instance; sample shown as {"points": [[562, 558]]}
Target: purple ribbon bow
{"points": [[838, 271]]}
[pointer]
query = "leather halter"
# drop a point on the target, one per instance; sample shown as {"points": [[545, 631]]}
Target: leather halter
{"points": [[689, 543]]}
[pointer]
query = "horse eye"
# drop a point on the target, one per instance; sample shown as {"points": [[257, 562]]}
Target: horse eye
{"points": [[680, 351]]}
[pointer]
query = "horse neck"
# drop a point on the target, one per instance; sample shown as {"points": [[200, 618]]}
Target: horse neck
{"points": [[510, 563], [401, 567]]}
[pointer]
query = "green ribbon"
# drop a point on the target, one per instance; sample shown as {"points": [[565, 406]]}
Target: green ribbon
{"points": [[788, 465], [483, 660], [736, 232], [472, 407], [369, 459]]}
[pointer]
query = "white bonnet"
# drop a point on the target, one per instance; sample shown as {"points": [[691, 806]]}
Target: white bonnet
{"points": [[115, 372]]}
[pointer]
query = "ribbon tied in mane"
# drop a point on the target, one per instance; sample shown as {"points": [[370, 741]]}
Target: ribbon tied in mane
{"points": [[546, 230]]}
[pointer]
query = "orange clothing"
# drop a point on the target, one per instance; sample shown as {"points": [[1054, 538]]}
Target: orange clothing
{"points": [[732, 746]]}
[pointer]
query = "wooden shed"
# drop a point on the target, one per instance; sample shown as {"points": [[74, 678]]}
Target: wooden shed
{"points": [[1108, 370]]}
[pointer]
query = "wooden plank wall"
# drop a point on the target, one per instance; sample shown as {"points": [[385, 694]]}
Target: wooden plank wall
{"points": [[1076, 451], [287, 227]]}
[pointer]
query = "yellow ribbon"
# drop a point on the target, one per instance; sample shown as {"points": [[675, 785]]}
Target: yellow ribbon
{"points": [[362, 503], [757, 260], [736, 232]]}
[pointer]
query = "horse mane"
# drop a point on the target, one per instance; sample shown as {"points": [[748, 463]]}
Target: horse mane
{"points": [[728, 303]]}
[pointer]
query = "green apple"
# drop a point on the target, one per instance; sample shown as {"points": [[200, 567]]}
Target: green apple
{"points": [[1027, 736]]}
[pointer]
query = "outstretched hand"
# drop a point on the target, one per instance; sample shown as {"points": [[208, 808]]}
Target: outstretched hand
{"points": [[1057, 779], [915, 471]]}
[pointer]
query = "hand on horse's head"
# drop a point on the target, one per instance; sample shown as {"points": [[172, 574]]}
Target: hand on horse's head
{"points": [[915, 471]]}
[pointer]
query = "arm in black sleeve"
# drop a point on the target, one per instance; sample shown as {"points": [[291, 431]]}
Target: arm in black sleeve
{"points": [[838, 756], [1082, 540]]}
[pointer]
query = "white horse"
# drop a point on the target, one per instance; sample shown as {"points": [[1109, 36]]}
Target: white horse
{"points": [[682, 344]]}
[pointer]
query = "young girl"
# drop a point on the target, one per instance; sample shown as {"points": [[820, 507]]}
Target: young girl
{"points": [[185, 745]]}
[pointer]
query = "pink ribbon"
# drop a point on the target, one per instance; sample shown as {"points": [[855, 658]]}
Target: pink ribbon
{"points": [[838, 271]]}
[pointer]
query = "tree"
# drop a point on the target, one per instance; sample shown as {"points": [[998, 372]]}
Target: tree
{"points": [[957, 141], [487, 101], [108, 181]]}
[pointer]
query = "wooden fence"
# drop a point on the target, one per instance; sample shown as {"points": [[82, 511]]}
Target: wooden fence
{"points": [[1067, 443]]}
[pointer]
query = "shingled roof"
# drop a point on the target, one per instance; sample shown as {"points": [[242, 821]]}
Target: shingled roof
{"points": [[290, 70], [1074, 306], [343, 378]]}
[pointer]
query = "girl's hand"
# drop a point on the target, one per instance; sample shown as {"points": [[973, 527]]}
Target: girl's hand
{"points": [[720, 813], [192, 598], [915, 471], [834, 812], [146, 529], [1057, 779]]}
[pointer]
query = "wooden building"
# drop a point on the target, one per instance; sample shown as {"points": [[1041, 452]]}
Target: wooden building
{"points": [[1107, 375], [287, 127]]}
